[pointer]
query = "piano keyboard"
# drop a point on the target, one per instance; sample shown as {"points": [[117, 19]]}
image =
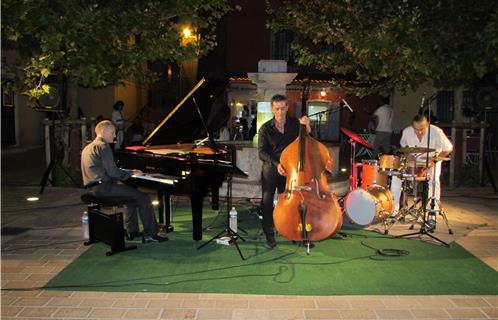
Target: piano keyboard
{"points": [[158, 177]]}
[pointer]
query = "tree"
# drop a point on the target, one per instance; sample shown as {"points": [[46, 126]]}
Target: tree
{"points": [[98, 43], [394, 44]]}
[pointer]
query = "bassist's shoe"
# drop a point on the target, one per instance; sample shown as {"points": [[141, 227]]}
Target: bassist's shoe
{"points": [[270, 241]]}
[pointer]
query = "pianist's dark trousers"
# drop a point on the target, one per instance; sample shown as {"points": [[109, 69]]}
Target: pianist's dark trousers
{"points": [[270, 180], [138, 200]]}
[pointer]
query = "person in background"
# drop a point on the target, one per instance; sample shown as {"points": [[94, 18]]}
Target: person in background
{"points": [[244, 121], [119, 121], [102, 178], [274, 136], [382, 119], [252, 131], [224, 134]]}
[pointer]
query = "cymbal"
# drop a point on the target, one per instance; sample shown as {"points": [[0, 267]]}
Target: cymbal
{"points": [[441, 159], [355, 137], [415, 150]]}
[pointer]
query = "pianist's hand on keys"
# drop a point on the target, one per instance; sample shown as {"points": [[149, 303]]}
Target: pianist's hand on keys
{"points": [[136, 172]]}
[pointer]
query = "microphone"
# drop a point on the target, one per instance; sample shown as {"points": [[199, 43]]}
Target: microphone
{"points": [[347, 105], [422, 104]]}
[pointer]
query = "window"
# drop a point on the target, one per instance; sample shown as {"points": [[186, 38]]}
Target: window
{"points": [[281, 46]]}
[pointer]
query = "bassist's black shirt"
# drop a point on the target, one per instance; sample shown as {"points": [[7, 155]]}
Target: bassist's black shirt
{"points": [[271, 142]]}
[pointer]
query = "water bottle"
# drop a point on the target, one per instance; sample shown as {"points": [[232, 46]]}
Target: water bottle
{"points": [[84, 225], [233, 219], [431, 220]]}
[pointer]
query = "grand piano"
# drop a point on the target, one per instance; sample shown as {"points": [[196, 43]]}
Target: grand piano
{"points": [[176, 162]]}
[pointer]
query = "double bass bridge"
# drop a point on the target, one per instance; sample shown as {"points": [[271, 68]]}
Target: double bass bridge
{"points": [[300, 188]]}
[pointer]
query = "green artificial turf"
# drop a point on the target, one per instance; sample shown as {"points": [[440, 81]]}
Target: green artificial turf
{"points": [[347, 264]]}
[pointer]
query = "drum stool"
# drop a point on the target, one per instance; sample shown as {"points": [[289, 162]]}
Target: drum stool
{"points": [[107, 228]]}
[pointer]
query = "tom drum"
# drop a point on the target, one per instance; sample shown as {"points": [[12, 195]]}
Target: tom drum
{"points": [[417, 169], [390, 162], [371, 174]]}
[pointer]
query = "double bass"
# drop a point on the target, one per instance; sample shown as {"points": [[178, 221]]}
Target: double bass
{"points": [[307, 210]]}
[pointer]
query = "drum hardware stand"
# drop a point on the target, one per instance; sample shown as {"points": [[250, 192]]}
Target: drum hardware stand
{"points": [[412, 210], [388, 224], [404, 209], [353, 178], [228, 232], [425, 228], [433, 201]]}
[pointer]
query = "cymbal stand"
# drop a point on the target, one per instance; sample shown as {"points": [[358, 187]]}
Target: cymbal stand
{"points": [[412, 210], [433, 201], [425, 228], [353, 174]]}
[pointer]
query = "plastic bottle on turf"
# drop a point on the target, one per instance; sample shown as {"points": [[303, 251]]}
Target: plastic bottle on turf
{"points": [[84, 225], [233, 219]]}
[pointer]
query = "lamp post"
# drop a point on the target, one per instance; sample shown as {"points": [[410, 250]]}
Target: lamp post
{"points": [[188, 67]]}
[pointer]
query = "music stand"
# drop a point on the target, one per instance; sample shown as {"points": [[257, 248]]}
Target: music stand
{"points": [[424, 227], [228, 232]]}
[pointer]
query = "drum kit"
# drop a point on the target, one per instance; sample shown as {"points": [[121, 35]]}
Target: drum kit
{"points": [[373, 184]]}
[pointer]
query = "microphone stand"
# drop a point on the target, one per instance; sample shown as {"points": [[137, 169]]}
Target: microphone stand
{"points": [[425, 228]]}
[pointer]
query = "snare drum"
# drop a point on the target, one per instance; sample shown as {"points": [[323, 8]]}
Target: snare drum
{"points": [[390, 162], [417, 169], [371, 174], [364, 207]]}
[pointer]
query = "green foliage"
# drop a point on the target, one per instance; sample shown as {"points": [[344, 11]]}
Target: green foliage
{"points": [[97, 43], [397, 44]]}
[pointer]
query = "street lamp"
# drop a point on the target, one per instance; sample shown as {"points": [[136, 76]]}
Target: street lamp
{"points": [[188, 35], [188, 67]]}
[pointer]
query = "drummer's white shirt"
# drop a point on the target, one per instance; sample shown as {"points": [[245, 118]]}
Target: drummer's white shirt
{"points": [[439, 142]]}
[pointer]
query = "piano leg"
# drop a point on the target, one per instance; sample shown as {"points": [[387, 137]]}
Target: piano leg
{"points": [[196, 202], [215, 198], [165, 210]]}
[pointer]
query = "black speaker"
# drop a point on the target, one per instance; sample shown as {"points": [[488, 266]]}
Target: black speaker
{"points": [[55, 99], [487, 98]]}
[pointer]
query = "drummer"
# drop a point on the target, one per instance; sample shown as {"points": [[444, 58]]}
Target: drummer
{"points": [[416, 136]]}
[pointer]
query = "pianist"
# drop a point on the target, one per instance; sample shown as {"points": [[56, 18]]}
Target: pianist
{"points": [[102, 177]]}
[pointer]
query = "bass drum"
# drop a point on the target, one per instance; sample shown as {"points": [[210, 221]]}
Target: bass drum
{"points": [[366, 206]]}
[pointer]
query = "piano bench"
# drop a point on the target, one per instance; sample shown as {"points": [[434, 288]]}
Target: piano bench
{"points": [[108, 202], [107, 228]]}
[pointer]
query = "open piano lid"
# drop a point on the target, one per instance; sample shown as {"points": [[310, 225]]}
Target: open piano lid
{"points": [[183, 124]]}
